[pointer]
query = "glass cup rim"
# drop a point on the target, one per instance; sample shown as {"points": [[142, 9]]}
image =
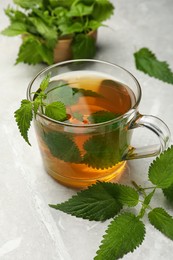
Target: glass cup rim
{"points": [[119, 118]]}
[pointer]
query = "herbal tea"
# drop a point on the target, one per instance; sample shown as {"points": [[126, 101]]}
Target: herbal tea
{"points": [[85, 147]]}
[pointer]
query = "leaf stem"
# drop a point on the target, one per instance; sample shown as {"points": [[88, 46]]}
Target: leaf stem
{"points": [[152, 187], [139, 188]]}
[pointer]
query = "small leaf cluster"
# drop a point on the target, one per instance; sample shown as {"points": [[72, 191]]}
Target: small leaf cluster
{"points": [[43, 22], [126, 230], [24, 115], [147, 62]]}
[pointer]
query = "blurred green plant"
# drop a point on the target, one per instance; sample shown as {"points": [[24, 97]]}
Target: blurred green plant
{"points": [[42, 23]]}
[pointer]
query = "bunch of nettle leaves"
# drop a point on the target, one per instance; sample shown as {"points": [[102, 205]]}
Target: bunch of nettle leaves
{"points": [[126, 230], [42, 23]]}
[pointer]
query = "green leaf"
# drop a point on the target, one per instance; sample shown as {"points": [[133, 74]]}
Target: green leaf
{"points": [[45, 16], [79, 10], [46, 54], [62, 93], [71, 28], [162, 221], [45, 82], [146, 203], [23, 117], [32, 51], [124, 234], [64, 3], [83, 46], [47, 31], [14, 29], [56, 110], [36, 104], [168, 192], [29, 51], [85, 92], [62, 146], [101, 150], [103, 9], [93, 25], [161, 169], [147, 62], [127, 195], [28, 4], [101, 116], [98, 202]]}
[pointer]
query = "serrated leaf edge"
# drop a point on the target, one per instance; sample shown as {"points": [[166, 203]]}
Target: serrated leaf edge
{"points": [[106, 233]]}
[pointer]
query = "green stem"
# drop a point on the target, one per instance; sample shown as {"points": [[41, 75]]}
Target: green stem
{"points": [[148, 188], [63, 85], [139, 188], [146, 203]]}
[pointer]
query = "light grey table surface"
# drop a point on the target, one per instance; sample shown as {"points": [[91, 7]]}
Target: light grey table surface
{"points": [[29, 229]]}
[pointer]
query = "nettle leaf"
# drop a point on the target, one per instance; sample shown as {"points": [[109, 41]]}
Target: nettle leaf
{"points": [[85, 92], [71, 28], [98, 202], [60, 12], [56, 110], [79, 10], [146, 202], [14, 29], [103, 9], [124, 234], [15, 15], [46, 54], [147, 62], [28, 4], [29, 51], [47, 31], [32, 51], [161, 169], [127, 195], [45, 82], [83, 46], [148, 198], [168, 192], [62, 93], [36, 104], [23, 117], [65, 3], [93, 25], [101, 150], [62, 146], [101, 116], [162, 221]]}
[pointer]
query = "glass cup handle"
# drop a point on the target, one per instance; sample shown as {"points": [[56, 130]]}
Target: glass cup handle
{"points": [[157, 126]]}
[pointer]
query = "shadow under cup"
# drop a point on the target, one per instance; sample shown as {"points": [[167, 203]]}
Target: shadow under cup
{"points": [[92, 145]]}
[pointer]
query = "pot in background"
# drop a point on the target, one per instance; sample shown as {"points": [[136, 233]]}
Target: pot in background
{"points": [[63, 48]]}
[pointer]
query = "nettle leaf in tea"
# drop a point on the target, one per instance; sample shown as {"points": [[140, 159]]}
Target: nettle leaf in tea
{"points": [[102, 154], [126, 230], [56, 110], [62, 146], [101, 116], [83, 100]]}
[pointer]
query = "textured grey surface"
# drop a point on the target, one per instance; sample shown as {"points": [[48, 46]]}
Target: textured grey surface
{"points": [[30, 230]]}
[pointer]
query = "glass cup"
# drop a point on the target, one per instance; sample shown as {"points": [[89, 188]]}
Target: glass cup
{"points": [[92, 145]]}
